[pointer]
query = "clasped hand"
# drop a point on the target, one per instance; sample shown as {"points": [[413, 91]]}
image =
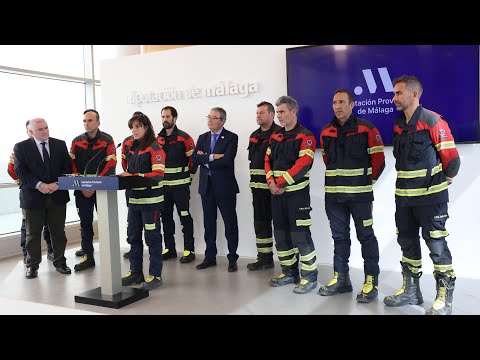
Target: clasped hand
{"points": [[48, 188], [274, 189]]}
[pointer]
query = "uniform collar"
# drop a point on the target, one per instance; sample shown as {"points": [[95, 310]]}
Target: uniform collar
{"points": [[264, 134], [163, 132], [402, 121]]}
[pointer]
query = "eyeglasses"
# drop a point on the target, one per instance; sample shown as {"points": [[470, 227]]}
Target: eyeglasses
{"points": [[208, 117]]}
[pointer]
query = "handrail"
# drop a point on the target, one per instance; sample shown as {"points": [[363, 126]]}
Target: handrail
{"points": [[45, 75], [8, 185]]}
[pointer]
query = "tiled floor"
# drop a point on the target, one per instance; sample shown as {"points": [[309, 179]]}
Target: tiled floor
{"points": [[212, 291]]}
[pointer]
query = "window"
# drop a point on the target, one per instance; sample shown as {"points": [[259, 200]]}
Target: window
{"points": [[28, 92], [57, 59], [103, 52]]}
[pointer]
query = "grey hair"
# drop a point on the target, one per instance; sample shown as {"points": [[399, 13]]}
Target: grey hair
{"points": [[412, 83], [289, 101], [223, 113]]}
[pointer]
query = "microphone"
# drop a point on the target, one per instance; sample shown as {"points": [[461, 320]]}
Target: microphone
{"points": [[89, 161], [106, 157]]}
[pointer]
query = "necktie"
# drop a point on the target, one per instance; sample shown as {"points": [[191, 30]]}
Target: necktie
{"points": [[46, 159], [214, 141]]}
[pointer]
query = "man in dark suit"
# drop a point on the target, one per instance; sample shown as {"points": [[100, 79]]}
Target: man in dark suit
{"points": [[39, 161], [215, 152]]}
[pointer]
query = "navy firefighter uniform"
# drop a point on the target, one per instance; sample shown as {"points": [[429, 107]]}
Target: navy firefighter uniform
{"points": [[144, 208], [354, 158], [91, 157], [262, 198], [287, 161], [426, 155], [179, 171]]}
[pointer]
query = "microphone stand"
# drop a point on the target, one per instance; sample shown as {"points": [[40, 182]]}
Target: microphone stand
{"points": [[106, 157], [89, 161]]}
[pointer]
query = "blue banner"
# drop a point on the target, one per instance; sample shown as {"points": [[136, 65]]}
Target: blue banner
{"points": [[449, 74]]}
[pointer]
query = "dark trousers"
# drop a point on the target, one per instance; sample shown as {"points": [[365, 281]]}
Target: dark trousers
{"points": [[85, 213], [23, 236], [147, 220], [126, 202], [34, 219], [262, 222], [180, 197], [227, 204], [291, 223], [338, 214], [431, 219]]}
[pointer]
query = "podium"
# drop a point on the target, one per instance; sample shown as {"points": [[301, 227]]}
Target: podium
{"points": [[111, 293]]}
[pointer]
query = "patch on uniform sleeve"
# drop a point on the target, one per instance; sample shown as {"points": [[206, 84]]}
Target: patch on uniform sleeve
{"points": [[441, 133], [191, 144], [309, 142], [159, 157], [378, 138]]}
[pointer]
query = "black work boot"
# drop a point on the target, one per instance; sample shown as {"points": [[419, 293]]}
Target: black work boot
{"points": [[339, 284], [260, 264], [410, 292], [282, 280], [169, 254], [369, 290], [445, 286], [87, 261], [305, 286], [188, 256], [132, 278]]}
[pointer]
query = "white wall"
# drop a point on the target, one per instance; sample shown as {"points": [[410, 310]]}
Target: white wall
{"points": [[205, 66]]}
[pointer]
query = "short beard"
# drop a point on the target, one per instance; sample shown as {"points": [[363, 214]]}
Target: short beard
{"points": [[167, 125]]}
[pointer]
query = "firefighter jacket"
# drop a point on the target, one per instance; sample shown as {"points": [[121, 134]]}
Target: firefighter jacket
{"points": [[127, 142], [101, 147], [354, 159], [257, 147], [289, 158], [11, 169], [425, 154], [150, 163], [179, 167]]}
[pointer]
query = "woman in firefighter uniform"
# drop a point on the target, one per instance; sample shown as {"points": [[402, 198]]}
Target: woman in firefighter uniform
{"points": [[144, 157]]}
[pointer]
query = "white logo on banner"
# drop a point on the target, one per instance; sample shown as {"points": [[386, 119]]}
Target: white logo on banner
{"points": [[381, 105], [223, 88]]}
